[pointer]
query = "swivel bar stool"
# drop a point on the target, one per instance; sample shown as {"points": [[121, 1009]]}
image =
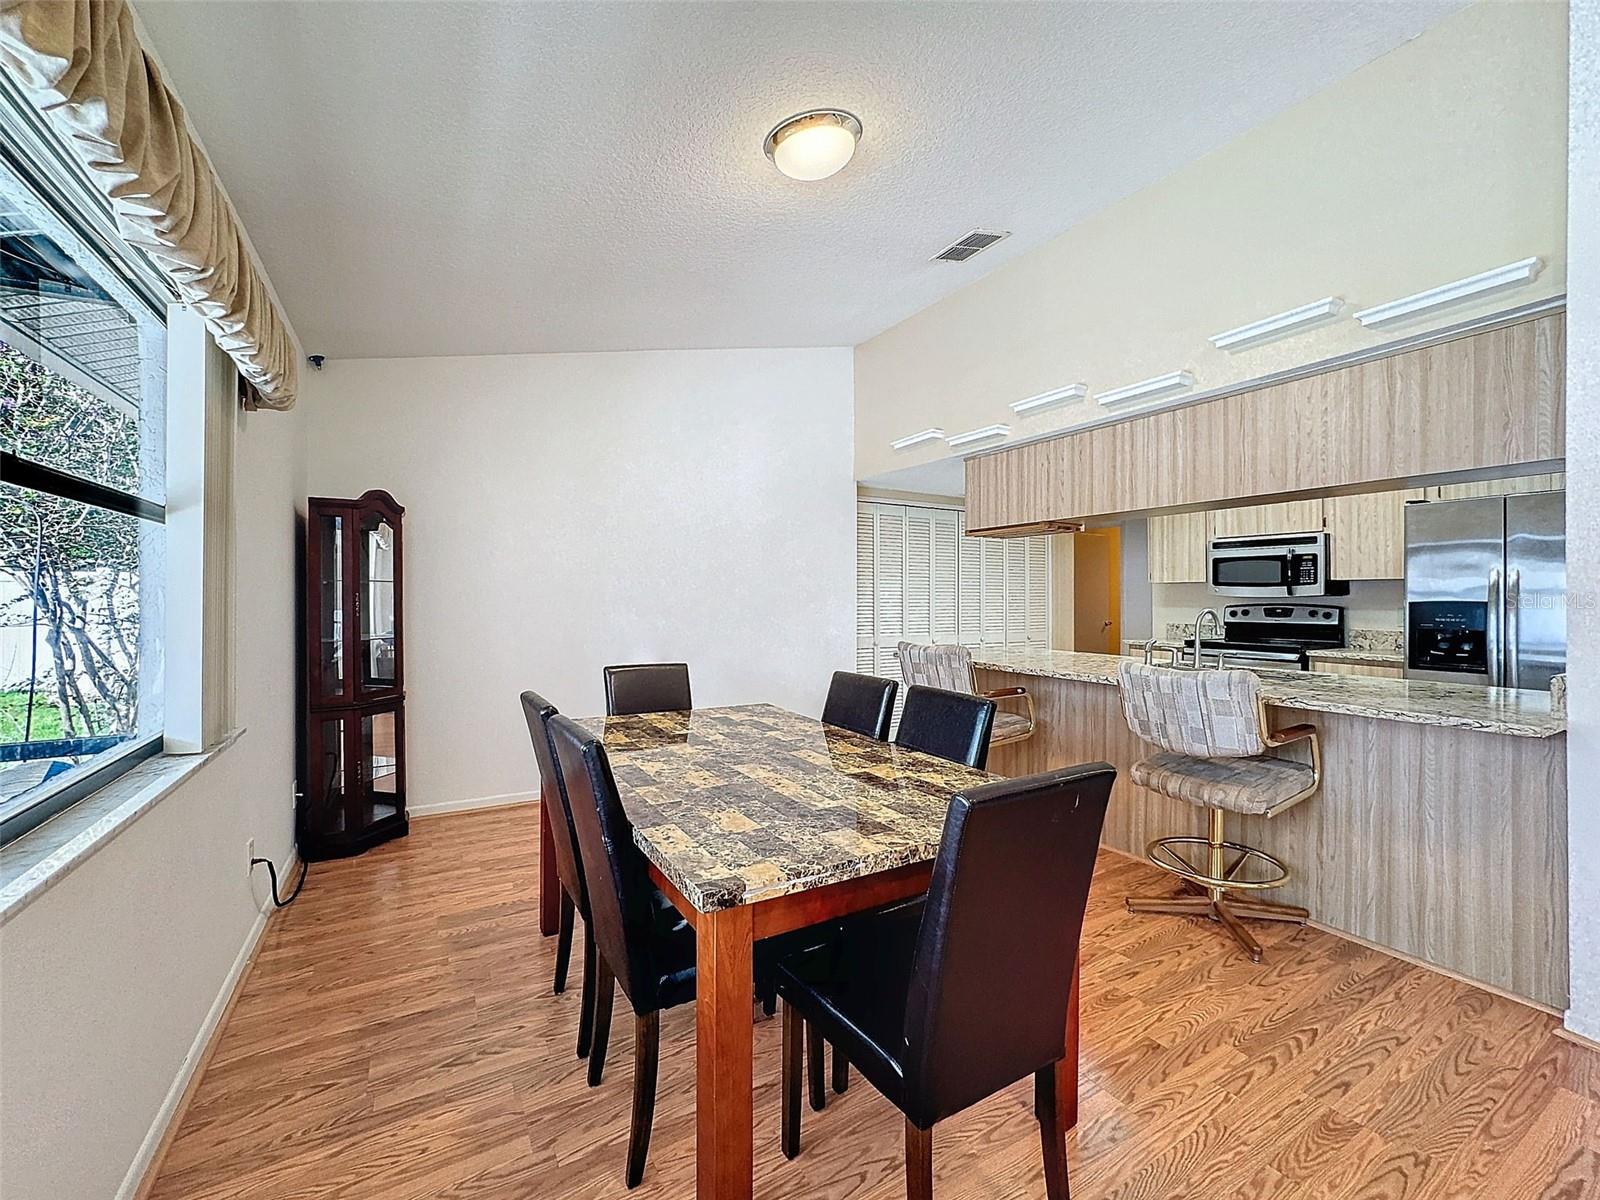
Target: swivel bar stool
{"points": [[1211, 727]]}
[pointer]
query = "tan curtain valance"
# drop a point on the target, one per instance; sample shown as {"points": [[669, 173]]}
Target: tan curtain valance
{"points": [[81, 63]]}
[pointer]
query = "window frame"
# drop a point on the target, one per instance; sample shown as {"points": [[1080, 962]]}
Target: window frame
{"points": [[44, 165]]}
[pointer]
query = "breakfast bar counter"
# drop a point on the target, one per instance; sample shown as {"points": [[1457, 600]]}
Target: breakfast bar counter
{"points": [[1511, 711], [1439, 831]]}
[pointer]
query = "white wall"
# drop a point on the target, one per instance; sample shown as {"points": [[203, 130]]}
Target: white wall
{"points": [[568, 511], [1583, 520], [1441, 159], [108, 977]]}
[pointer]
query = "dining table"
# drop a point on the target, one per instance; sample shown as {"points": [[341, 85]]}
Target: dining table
{"points": [[756, 821]]}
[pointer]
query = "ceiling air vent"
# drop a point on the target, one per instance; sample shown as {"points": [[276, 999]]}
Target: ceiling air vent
{"points": [[978, 239]]}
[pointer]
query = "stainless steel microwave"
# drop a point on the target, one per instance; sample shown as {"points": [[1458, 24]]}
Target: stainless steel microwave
{"points": [[1274, 564]]}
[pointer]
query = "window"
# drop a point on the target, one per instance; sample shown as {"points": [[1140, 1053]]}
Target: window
{"points": [[919, 578], [82, 488]]}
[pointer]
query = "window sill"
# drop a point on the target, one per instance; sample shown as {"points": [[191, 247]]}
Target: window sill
{"points": [[42, 858]]}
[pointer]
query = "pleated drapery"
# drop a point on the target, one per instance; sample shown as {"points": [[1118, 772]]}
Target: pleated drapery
{"points": [[81, 64]]}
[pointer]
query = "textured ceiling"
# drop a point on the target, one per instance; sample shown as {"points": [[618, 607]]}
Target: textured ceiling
{"points": [[473, 178]]}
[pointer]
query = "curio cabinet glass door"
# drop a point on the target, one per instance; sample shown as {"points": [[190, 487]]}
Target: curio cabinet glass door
{"points": [[352, 769]]}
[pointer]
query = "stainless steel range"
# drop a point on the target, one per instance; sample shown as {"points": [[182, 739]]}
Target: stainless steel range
{"points": [[1271, 635]]}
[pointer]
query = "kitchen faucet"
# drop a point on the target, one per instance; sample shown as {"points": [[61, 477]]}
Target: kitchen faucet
{"points": [[1200, 630]]}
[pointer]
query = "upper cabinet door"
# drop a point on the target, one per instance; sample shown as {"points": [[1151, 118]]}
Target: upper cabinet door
{"points": [[378, 599], [1367, 534], [1296, 516], [1176, 551]]}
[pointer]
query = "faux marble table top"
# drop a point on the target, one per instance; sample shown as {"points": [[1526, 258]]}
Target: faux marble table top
{"points": [[737, 805]]}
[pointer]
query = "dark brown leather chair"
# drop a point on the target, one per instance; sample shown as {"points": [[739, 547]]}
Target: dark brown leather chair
{"points": [[952, 725], [861, 703], [942, 1003], [647, 688], [641, 947], [569, 870]]}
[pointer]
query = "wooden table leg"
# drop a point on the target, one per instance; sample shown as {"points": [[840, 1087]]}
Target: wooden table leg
{"points": [[724, 1046], [1067, 1068], [549, 885]]}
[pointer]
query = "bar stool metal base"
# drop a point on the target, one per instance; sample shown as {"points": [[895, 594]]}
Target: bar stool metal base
{"points": [[1227, 912], [1207, 891]]}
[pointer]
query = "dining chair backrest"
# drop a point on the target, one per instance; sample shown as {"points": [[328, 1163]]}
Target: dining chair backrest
{"points": [[952, 725], [862, 703], [1204, 714], [647, 688], [553, 796], [998, 943], [621, 896], [947, 666]]}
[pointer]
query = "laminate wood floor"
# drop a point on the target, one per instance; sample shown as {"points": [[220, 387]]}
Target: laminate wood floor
{"points": [[397, 1038]]}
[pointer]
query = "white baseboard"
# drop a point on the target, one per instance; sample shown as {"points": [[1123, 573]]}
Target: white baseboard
{"points": [[153, 1148], [467, 805]]}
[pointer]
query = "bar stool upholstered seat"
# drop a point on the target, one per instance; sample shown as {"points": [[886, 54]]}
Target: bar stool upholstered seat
{"points": [[1253, 786], [949, 667], [1215, 753]]}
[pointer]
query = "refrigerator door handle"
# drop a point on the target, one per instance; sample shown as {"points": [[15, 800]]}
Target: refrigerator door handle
{"points": [[1492, 631], [1512, 674]]}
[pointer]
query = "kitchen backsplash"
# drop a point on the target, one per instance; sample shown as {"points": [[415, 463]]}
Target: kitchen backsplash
{"points": [[1387, 641]]}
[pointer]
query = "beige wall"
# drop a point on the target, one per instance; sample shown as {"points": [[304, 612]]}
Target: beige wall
{"points": [[107, 979], [1439, 160], [565, 511]]}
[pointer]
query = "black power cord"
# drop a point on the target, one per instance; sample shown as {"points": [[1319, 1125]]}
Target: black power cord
{"points": [[272, 871]]}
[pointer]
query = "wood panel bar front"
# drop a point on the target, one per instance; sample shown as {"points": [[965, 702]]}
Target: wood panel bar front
{"points": [[1444, 844], [1490, 400]]}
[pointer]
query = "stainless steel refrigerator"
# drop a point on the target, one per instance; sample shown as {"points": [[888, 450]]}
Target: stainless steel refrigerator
{"points": [[1486, 590]]}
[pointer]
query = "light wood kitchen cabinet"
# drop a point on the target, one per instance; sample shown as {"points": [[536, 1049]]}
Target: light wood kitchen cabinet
{"points": [[1176, 548], [1498, 487], [1367, 534], [1478, 402], [1295, 516]]}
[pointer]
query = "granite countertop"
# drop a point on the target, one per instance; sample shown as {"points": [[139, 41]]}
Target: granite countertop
{"points": [[1511, 711], [738, 805], [1364, 658]]}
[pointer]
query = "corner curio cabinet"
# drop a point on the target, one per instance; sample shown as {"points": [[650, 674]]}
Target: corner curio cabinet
{"points": [[353, 764]]}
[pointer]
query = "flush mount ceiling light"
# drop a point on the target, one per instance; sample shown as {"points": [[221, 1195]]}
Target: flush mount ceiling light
{"points": [[813, 145]]}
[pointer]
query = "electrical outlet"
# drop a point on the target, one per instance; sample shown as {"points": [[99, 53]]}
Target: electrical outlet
{"points": [[250, 854]]}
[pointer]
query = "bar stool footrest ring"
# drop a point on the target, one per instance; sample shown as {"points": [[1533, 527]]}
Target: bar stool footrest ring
{"points": [[1163, 853]]}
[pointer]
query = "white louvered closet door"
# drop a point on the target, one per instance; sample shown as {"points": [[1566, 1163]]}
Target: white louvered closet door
{"points": [[866, 589], [921, 579], [946, 575], [969, 587], [891, 589]]}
